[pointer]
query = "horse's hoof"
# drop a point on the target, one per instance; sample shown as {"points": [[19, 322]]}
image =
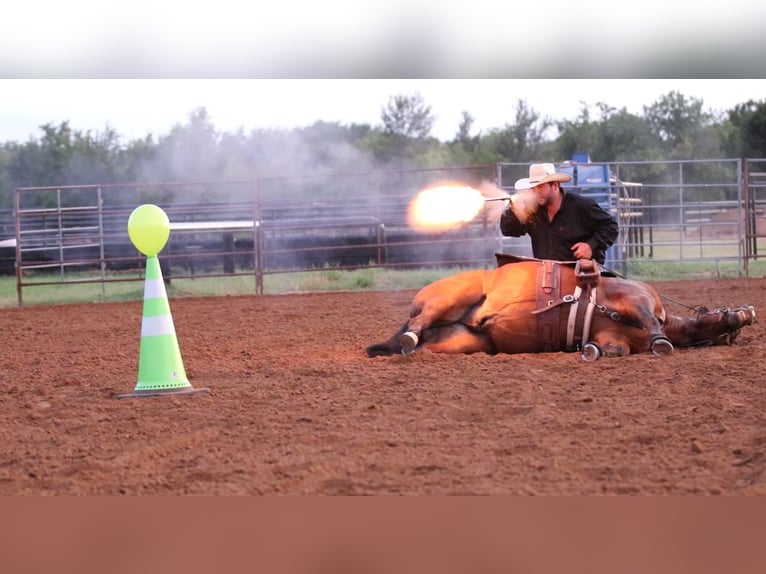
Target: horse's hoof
{"points": [[725, 338], [590, 352], [662, 347], [408, 341]]}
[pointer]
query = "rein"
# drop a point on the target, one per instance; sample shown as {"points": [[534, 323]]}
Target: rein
{"points": [[698, 309], [616, 317]]}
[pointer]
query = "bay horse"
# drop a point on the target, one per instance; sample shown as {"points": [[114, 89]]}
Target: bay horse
{"points": [[528, 305]]}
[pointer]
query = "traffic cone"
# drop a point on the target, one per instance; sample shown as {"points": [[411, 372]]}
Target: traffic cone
{"points": [[160, 366]]}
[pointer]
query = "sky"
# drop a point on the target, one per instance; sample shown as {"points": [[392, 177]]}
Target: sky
{"points": [[138, 107], [143, 66]]}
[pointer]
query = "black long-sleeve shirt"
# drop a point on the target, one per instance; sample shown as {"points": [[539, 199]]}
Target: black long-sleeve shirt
{"points": [[579, 219]]}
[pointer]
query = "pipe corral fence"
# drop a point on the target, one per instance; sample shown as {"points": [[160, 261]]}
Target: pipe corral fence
{"points": [[676, 217], [706, 214]]}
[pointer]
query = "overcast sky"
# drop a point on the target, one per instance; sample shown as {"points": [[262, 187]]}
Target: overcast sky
{"points": [[138, 107], [125, 64]]}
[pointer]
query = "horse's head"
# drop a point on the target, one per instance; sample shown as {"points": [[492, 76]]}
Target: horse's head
{"points": [[721, 326]]}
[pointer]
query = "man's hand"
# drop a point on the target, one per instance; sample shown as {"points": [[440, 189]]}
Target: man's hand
{"points": [[582, 251]]}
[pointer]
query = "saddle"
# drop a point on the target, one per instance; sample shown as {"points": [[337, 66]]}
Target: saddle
{"points": [[549, 300], [505, 258]]}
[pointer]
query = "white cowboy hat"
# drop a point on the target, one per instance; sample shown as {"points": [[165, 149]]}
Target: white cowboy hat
{"points": [[541, 173]]}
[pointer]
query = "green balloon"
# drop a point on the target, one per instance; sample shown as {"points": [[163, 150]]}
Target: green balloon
{"points": [[149, 229]]}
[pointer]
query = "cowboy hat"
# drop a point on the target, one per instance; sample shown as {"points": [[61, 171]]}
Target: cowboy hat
{"points": [[541, 173]]}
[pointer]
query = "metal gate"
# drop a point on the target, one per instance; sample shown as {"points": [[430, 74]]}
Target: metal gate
{"points": [[700, 218], [255, 227]]}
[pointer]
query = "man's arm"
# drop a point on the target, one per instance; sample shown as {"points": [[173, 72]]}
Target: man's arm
{"points": [[604, 226], [510, 225]]}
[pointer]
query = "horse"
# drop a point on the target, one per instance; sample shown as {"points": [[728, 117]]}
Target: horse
{"points": [[528, 305]]}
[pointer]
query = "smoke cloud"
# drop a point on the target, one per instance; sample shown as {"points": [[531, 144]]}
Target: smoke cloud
{"points": [[523, 202]]}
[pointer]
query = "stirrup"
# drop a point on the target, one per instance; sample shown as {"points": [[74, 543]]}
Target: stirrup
{"points": [[587, 272]]}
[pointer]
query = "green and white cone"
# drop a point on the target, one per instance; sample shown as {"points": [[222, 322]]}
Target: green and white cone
{"points": [[160, 366]]}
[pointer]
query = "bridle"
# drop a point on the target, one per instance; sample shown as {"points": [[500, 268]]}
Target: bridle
{"points": [[698, 309]]}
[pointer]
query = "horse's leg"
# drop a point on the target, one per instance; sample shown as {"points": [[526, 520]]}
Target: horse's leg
{"points": [[609, 343], [456, 338], [718, 327], [636, 315], [442, 302], [390, 346]]}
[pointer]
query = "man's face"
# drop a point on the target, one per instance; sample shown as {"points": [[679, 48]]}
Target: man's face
{"points": [[544, 193]]}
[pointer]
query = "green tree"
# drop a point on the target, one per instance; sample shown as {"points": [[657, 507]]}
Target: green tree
{"points": [[7, 153], [577, 135], [684, 129], [407, 116], [331, 147], [463, 136], [743, 131], [463, 147], [189, 152], [614, 135], [524, 140], [133, 158], [405, 132], [65, 157]]}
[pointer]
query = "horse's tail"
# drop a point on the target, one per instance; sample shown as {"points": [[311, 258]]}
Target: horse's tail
{"points": [[389, 346]]}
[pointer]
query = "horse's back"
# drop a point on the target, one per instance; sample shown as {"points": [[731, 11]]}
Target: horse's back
{"points": [[466, 284], [506, 284]]}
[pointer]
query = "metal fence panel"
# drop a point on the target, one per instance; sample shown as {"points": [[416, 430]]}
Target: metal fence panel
{"points": [[707, 216]]}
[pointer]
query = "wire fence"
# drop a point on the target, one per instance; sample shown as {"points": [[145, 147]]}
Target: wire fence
{"points": [[676, 217]]}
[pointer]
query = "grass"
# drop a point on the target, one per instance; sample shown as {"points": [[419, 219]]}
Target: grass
{"points": [[369, 279]]}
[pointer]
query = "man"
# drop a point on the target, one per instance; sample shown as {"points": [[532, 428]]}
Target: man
{"points": [[562, 226]]}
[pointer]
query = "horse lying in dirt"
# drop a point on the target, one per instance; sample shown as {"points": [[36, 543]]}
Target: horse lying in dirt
{"points": [[532, 306]]}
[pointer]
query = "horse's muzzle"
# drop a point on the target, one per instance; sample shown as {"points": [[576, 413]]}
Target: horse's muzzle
{"points": [[740, 317]]}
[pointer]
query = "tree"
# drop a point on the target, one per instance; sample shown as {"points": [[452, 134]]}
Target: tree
{"points": [[524, 140], [404, 135], [134, 157], [64, 156], [682, 126], [331, 147], [462, 149], [463, 135], [7, 153], [743, 132], [407, 116], [577, 135], [189, 152], [615, 135]]}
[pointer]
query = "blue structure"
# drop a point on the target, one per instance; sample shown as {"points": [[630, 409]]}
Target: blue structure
{"points": [[595, 181]]}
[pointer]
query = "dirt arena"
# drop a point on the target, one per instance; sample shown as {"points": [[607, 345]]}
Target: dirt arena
{"points": [[297, 408]]}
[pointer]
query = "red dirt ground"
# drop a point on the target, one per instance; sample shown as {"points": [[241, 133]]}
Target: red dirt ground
{"points": [[297, 408]]}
